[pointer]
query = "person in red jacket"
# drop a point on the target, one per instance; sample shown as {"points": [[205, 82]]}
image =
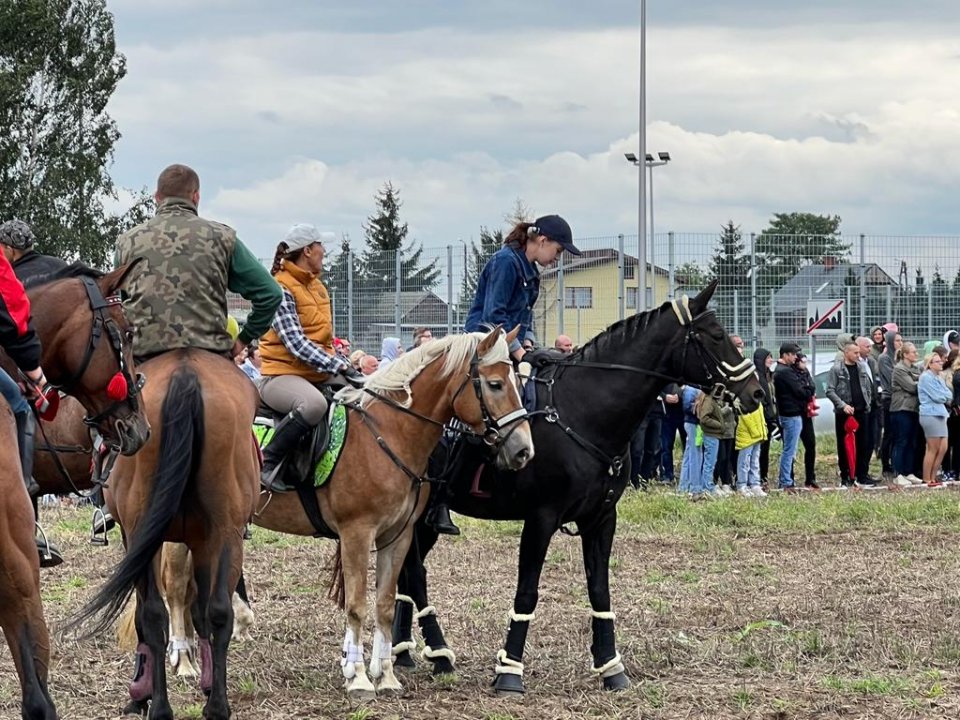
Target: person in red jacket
{"points": [[22, 345]]}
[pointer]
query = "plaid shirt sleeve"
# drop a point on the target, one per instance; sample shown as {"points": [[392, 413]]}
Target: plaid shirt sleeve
{"points": [[287, 324]]}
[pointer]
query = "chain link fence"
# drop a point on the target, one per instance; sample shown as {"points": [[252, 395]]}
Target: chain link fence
{"points": [[766, 285]]}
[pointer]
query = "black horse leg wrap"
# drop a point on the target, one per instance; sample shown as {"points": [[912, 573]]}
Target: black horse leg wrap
{"points": [[432, 634], [402, 622], [604, 646], [516, 639]]}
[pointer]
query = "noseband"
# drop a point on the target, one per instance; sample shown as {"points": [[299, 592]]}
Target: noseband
{"points": [[103, 322]]}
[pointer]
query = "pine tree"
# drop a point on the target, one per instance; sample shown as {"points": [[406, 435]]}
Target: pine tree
{"points": [[732, 267], [59, 66], [477, 258]]}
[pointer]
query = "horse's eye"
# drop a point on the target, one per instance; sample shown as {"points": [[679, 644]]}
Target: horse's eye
{"points": [[129, 335], [495, 384]]}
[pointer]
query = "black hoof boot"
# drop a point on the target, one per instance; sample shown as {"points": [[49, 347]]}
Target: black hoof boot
{"points": [[508, 684], [620, 681], [442, 666], [440, 520], [404, 659]]}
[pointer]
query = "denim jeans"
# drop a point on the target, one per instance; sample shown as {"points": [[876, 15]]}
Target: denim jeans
{"points": [[748, 466], [711, 448], [692, 463], [903, 426], [790, 428], [11, 393]]}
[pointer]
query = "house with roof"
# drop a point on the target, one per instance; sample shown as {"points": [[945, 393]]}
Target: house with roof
{"points": [[590, 300], [830, 280]]}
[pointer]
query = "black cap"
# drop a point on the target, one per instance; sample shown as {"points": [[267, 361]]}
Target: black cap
{"points": [[801, 356], [789, 347], [558, 230]]}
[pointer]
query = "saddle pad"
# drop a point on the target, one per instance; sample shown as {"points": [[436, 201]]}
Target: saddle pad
{"points": [[327, 463]]}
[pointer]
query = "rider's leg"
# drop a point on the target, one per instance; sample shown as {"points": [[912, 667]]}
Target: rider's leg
{"points": [[445, 466], [304, 406]]}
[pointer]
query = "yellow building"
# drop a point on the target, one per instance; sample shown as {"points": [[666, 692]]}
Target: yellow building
{"points": [[590, 300]]}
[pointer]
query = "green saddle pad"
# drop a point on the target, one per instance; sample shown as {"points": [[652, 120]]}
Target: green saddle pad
{"points": [[327, 462]]}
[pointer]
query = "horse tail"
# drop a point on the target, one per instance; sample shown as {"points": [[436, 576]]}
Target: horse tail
{"points": [[126, 628], [337, 591], [181, 447]]}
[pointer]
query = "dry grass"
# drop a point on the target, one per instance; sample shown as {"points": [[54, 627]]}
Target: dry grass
{"points": [[839, 606]]}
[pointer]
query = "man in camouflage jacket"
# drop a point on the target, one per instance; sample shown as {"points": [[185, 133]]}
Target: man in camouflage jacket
{"points": [[178, 293]]}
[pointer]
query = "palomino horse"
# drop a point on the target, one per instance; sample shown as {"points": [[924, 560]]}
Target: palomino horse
{"points": [[374, 497], [71, 312], [194, 482], [581, 470]]}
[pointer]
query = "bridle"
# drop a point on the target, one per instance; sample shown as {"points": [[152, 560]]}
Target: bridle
{"points": [[123, 387]]}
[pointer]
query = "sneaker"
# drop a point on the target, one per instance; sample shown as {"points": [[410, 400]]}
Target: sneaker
{"points": [[867, 482], [812, 484], [914, 479], [744, 491], [901, 481], [725, 490], [757, 491]]}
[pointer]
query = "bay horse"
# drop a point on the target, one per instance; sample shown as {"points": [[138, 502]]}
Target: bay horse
{"points": [[375, 495], [72, 312], [588, 406], [194, 482]]}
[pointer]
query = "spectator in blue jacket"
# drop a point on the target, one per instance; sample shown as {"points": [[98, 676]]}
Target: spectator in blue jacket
{"points": [[510, 282]]}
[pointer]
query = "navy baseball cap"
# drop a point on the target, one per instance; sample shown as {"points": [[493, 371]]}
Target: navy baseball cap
{"points": [[558, 230]]}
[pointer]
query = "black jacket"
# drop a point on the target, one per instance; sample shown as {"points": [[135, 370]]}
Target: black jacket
{"points": [[33, 265], [793, 390]]}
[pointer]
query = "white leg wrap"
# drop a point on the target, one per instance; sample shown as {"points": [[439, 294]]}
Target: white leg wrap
{"points": [[406, 599], [352, 655], [405, 646], [382, 651], [518, 617], [610, 668], [428, 610], [601, 615], [506, 666], [429, 653]]}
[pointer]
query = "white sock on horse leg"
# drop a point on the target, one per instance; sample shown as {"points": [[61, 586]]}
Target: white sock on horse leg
{"points": [[382, 650]]}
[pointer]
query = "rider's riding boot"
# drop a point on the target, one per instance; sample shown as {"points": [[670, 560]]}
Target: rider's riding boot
{"points": [[439, 516], [49, 553], [285, 438], [25, 429]]}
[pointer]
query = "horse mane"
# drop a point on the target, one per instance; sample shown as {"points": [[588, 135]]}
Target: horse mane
{"points": [[619, 331], [395, 379], [74, 270]]}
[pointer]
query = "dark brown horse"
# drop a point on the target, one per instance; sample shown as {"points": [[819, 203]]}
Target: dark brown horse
{"points": [[86, 351], [195, 482]]}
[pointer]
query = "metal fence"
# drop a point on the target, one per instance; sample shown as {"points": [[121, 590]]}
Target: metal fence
{"points": [[766, 283]]}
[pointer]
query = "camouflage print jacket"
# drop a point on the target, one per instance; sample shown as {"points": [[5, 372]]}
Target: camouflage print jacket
{"points": [[178, 294]]}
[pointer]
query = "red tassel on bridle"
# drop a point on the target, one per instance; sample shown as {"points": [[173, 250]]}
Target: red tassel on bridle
{"points": [[117, 388]]}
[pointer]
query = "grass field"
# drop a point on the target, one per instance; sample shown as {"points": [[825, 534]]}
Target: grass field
{"points": [[837, 605]]}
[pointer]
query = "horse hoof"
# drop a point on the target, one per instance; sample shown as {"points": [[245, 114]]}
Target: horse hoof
{"points": [[620, 681], [404, 659], [508, 685], [394, 689], [135, 707], [443, 666], [362, 694]]}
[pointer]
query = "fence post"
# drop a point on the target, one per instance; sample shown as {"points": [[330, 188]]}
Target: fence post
{"points": [[350, 334], [863, 283], [753, 290], [621, 300], [930, 287], [736, 311], [889, 315], [396, 296], [449, 289], [559, 303], [846, 311], [670, 262]]}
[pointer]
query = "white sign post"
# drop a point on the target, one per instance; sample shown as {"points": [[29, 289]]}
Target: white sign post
{"points": [[824, 317]]}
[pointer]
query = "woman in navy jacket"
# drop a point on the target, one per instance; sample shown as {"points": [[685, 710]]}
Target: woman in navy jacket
{"points": [[510, 282]]}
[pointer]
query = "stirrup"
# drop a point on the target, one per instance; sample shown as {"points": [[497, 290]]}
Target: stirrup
{"points": [[49, 556], [100, 527]]}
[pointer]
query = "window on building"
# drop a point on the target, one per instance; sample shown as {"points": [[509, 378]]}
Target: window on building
{"points": [[629, 270], [578, 297], [631, 298]]}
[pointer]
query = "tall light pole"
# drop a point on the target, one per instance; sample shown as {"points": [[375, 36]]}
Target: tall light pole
{"points": [[642, 193], [650, 162]]}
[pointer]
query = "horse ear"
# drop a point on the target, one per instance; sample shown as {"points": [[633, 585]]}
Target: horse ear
{"points": [[512, 335], [112, 281], [699, 303], [489, 341]]}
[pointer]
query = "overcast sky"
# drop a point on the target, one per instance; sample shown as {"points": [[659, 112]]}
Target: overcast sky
{"points": [[298, 111]]}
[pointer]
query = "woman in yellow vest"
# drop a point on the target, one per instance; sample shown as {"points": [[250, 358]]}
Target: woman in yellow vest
{"points": [[297, 352]]}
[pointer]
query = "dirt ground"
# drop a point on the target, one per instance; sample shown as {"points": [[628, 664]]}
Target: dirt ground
{"points": [[841, 624]]}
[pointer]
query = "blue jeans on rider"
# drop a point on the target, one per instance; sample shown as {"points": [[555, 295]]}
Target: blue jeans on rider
{"points": [[692, 463], [711, 448], [790, 427], [13, 396]]}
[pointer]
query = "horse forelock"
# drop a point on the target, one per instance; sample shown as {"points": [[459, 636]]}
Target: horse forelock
{"points": [[396, 379]]}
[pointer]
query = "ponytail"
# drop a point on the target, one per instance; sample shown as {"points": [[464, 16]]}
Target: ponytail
{"points": [[282, 254], [518, 237]]}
